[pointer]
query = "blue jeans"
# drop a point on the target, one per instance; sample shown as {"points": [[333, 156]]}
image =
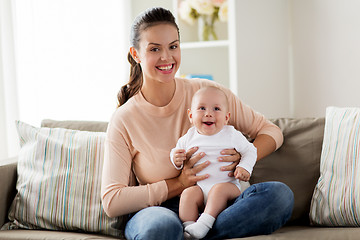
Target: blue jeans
{"points": [[260, 209]]}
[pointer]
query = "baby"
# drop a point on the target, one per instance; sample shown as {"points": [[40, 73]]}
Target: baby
{"points": [[209, 115]]}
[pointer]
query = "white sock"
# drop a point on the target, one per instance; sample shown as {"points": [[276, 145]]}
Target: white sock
{"points": [[201, 227], [187, 223], [187, 236]]}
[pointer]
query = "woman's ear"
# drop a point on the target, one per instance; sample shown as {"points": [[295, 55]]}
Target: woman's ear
{"points": [[134, 54]]}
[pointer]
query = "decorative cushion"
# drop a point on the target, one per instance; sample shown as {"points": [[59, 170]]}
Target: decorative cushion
{"points": [[335, 201], [59, 177]]}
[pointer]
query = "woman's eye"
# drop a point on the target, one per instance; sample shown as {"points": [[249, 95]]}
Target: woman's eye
{"points": [[173, 47], [155, 49]]}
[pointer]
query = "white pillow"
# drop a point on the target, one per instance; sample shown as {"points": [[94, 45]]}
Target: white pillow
{"points": [[59, 177], [336, 198]]}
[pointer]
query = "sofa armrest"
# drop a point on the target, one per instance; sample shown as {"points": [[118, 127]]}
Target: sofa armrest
{"points": [[8, 178]]}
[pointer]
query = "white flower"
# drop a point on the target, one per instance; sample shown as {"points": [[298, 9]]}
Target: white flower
{"points": [[202, 6], [185, 12], [191, 10], [218, 3], [223, 12]]}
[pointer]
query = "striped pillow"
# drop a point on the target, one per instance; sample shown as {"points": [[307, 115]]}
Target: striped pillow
{"points": [[59, 177], [336, 198]]}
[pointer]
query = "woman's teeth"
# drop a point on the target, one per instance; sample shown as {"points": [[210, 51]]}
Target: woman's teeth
{"points": [[165, 68]]}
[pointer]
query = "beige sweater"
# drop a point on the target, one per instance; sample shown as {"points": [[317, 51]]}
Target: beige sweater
{"points": [[140, 137]]}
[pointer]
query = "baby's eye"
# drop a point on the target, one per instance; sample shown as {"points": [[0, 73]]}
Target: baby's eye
{"points": [[202, 108], [217, 109]]}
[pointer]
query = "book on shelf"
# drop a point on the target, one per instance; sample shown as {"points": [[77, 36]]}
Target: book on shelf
{"points": [[203, 76]]}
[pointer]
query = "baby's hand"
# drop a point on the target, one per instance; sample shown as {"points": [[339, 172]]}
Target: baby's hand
{"points": [[179, 157], [241, 174]]}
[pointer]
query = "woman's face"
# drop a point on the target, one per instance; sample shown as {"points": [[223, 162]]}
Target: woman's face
{"points": [[159, 53]]}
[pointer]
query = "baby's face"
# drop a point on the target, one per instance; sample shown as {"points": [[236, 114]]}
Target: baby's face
{"points": [[209, 112]]}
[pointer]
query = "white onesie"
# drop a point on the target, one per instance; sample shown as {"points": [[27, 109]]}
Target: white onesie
{"points": [[227, 138]]}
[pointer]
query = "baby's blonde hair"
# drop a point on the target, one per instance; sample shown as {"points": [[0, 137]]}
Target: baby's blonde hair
{"points": [[203, 89]]}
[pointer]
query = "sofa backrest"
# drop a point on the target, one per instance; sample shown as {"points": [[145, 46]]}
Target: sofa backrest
{"points": [[296, 163], [8, 177], [91, 126]]}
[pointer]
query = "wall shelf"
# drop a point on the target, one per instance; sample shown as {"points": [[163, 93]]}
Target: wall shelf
{"points": [[216, 58], [204, 44]]}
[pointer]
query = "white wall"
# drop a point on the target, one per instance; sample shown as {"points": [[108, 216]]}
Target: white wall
{"points": [[141, 5], [296, 57], [326, 40], [263, 56], [8, 95], [71, 59], [59, 60]]}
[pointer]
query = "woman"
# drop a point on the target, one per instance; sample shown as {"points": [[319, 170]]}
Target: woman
{"points": [[152, 115]]}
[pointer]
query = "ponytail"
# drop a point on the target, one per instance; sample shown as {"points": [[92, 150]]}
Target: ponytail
{"points": [[135, 82]]}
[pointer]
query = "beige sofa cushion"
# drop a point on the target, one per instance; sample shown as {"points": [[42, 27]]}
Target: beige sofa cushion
{"points": [[45, 234], [296, 163], [309, 233]]}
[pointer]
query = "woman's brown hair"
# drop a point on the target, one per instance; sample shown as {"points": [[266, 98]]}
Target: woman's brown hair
{"points": [[150, 17]]}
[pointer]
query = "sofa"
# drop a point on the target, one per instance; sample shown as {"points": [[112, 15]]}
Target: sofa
{"points": [[296, 163]]}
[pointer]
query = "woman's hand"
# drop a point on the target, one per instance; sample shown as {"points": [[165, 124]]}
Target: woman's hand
{"points": [[232, 157], [188, 176]]}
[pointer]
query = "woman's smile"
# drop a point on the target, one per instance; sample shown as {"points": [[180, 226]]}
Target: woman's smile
{"points": [[166, 69]]}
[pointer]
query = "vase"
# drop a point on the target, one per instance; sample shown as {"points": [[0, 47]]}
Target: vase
{"points": [[206, 28]]}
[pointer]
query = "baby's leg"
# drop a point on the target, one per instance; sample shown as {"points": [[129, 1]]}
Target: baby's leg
{"points": [[218, 198], [191, 200]]}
